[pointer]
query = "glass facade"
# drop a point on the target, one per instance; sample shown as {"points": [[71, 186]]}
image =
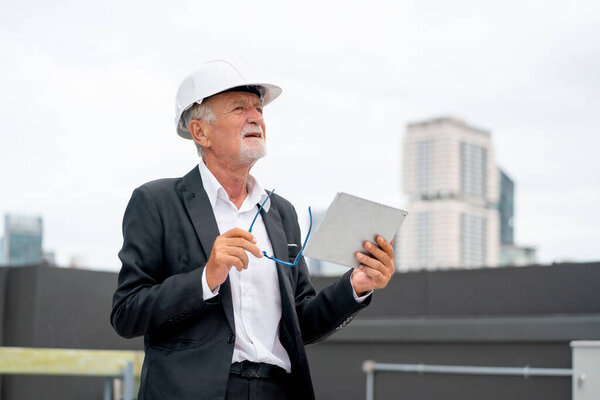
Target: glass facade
{"points": [[422, 239], [473, 170], [423, 167], [472, 240], [506, 207]]}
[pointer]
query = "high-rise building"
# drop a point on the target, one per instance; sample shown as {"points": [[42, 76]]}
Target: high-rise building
{"points": [[451, 179], [511, 254], [22, 241], [506, 207]]}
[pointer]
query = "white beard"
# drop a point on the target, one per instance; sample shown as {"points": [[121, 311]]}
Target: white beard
{"points": [[252, 150]]}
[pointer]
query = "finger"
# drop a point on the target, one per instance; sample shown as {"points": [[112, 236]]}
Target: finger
{"points": [[240, 269], [386, 246], [372, 273], [239, 233], [369, 261], [240, 254], [242, 243], [377, 252], [233, 261]]}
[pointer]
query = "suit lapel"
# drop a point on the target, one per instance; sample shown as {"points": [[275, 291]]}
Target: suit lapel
{"points": [[274, 226], [199, 209], [204, 222], [272, 221]]}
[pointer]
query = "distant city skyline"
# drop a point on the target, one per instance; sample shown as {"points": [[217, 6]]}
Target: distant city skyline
{"points": [[21, 240]]}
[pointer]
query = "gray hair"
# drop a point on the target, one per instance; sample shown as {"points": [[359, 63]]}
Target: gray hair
{"points": [[200, 112]]}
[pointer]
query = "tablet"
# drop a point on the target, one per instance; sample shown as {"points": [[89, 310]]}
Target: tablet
{"points": [[348, 222]]}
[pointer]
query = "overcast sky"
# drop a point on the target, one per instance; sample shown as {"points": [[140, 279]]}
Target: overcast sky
{"points": [[87, 104]]}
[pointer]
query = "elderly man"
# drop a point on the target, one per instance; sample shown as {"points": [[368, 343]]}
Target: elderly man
{"points": [[222, 316]]}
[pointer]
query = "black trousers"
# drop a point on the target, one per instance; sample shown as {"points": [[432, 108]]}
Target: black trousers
{"points": [[242, 388]]}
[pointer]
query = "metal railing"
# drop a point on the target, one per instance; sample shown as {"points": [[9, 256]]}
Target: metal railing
{"points": [[370, 367], [110, 364]]}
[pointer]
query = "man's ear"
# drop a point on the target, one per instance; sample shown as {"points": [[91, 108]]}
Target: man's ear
{"points": [[199, 131]]}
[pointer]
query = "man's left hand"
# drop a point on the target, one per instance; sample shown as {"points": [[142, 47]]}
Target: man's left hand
{"points": [[376, 269]]}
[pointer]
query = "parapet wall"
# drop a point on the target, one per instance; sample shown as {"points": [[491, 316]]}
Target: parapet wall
{"points": [[501, 316]]}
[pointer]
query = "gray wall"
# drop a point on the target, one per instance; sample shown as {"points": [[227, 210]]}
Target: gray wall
{"points": [[504, 317], [512, 317], [57, 308]]}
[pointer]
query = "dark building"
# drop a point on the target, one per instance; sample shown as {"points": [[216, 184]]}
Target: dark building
{"points": [[506, 206], [511, 254]]}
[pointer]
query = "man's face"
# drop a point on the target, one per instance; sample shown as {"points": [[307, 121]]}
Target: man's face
{"points": [[238, 134]]}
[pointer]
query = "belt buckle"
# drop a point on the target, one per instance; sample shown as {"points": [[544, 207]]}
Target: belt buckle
{"points": [[255, 371], [250, 369]]}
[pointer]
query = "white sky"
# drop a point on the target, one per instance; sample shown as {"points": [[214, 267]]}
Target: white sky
{"points": [[87, 93]]}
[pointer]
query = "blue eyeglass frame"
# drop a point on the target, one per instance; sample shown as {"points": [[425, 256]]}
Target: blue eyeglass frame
{"points": [[289, 264]]}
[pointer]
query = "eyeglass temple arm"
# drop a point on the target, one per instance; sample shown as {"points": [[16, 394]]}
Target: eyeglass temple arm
{"points": [[259, 210], [289, 264], [307, 236]]}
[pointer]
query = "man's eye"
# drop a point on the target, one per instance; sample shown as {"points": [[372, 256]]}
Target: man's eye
{"points": [[238, 108], [259, 110]]}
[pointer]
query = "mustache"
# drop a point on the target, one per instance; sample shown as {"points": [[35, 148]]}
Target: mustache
{"points": [[252, 129]]}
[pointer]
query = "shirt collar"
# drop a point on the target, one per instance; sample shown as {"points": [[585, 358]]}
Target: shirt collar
{"points": [[214, 190]]}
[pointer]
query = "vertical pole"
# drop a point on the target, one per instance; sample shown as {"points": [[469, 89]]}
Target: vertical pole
{"points": [[107, 388], [368, 368], [128, 381], [371, 385]]}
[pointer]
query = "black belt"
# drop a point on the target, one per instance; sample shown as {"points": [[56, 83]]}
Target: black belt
{"points": [[249, 369]]}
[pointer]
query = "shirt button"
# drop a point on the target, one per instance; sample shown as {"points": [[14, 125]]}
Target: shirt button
{"points": [[231, 339]]}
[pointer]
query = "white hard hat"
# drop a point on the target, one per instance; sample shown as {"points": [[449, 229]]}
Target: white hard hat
{"points": [[214, 77]]}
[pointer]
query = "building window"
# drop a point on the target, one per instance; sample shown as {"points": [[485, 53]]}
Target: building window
{"points": [[472, 240], [506, 209], [473, 170], [423, 167], [422, 240]]}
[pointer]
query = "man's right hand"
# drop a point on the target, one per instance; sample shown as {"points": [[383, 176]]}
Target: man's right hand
{"points": [[229, 250]]}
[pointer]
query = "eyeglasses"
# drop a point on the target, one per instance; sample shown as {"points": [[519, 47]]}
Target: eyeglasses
{"points": [[289, 264]]}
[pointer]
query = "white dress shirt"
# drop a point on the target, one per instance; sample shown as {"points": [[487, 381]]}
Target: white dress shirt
{"points": [[254, 291]]}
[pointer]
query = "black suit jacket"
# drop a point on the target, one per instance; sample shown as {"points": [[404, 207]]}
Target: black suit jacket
{"points": [[169, 229]]}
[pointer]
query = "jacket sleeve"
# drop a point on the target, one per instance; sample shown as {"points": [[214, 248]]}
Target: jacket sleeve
{"points": [[147, 298]]}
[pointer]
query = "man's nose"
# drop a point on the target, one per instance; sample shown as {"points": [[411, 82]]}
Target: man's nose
{"points": [[255, 117]]}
